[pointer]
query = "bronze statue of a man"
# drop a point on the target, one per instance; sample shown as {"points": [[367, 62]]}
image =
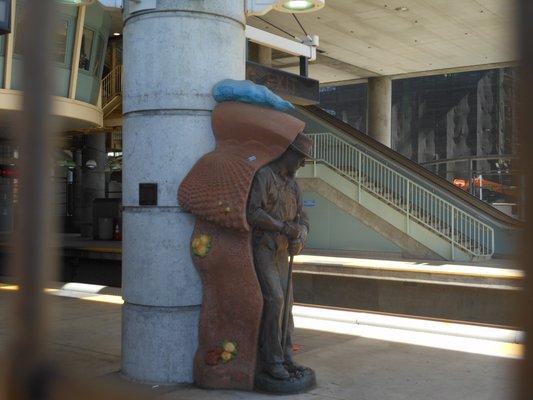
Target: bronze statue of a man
{"points": [[279, 229], [249, 218]]}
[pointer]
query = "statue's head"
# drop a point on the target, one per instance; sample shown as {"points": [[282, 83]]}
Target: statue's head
{"points": [[295, 156]]}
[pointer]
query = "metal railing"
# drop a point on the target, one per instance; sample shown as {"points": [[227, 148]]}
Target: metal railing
{"points": [[418, 204], [112, 84]]}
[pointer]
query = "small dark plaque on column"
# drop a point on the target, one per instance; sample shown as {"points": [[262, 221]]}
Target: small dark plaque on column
{"points": [[148, 194]]}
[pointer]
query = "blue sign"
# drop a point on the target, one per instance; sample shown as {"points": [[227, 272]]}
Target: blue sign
{"points": [[309, 203]]}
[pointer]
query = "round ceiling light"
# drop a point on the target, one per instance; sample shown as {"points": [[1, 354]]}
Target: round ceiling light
{"points": [[299, 6]]}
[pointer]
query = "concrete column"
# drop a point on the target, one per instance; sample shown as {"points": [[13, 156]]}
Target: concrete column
{"points": [[173, 55], [265, 56], [380, 109], [93, 180]]}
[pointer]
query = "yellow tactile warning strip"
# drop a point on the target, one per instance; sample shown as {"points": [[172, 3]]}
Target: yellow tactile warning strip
{"points": [[411, 266]]}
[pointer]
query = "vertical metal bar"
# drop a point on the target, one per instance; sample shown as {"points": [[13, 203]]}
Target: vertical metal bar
{"points": [[407, 208], [470, 231], [304, 66], [476, 236], [9, 46], [359, 161], [485, 237], [315, 146], [34, 230], [453, 233]]}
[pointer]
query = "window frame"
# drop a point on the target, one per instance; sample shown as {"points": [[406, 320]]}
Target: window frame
{"points": [[91, 51]]}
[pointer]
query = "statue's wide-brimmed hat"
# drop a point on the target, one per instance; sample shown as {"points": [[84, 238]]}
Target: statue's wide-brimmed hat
{"points": [[303, 145], [248, 137]]}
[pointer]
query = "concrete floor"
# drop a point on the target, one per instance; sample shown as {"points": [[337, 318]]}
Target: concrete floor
{"points": [[85, 338]]}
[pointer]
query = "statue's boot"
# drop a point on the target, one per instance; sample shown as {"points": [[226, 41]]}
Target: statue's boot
{"points": [[292, 366], [276, 371]]}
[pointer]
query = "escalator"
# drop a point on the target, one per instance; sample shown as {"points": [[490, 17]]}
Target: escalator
{"points": [[418, 210]]}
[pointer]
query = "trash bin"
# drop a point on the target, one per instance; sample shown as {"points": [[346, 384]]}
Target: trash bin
{"points": [[105, 228]]}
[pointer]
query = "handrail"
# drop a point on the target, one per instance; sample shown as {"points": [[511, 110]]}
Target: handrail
{"points": [[460, 229], [112, 84], [439, 182]]}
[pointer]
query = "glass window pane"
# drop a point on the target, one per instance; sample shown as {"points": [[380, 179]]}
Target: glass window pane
{"points": [[86, 47], [19, 25], [98, 55], [3, 10], [60, 42]]}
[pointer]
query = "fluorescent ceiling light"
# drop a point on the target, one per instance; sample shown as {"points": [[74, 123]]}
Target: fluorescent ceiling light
{"points": [[298, 6], [112, 3], [75, 2]]}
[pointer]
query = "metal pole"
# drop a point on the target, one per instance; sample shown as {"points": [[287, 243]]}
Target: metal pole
{"points": [[286, 305], [453, 233], [29, 373], [304, 66], [407, 207], [359, 176], [525, 15]]}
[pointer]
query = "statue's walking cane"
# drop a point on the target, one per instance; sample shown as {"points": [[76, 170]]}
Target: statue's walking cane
{"points": [[286, 305]]}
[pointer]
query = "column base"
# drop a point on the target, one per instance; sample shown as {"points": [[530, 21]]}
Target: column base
{"points": [[159, 343]]}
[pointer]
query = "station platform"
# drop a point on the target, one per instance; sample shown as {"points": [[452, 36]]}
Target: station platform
{"points": [[484, 292], [353, 355]]}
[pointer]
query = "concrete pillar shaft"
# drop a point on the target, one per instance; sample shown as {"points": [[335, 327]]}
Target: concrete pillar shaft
{"points": [[380, 109], [173, 55], [93, 180], [265, 56]]}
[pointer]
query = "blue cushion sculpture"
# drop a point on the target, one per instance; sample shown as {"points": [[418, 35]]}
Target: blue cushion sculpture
{"points": [[248, 92]]}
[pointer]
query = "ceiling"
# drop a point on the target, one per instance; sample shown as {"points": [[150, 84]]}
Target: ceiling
{"points": [[362, 38]]}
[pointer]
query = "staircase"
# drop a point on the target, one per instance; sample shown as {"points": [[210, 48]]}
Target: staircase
{"points": [[453, 225], [423, 215], [112, 90]]}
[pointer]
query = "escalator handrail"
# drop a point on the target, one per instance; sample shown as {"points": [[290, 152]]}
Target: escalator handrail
{"points": [[413, 166]]}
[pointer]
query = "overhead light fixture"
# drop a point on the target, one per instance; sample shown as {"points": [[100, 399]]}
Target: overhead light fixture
{"points": [[402, 8], [116, 34], [261, 7], [75, 2], [299, 6], [91, 164]]}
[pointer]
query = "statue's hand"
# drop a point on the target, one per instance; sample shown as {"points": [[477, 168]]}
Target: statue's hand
{"points": [[295, 247], [293, 230]]}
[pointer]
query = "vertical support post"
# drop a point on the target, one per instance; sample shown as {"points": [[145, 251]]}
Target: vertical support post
{"points": [[453, 233], [380, 109], [163, 113], [492, 242], [481, 187], [114, 66], [94, 148], [408, 207], [74, 68], [34, 234], [304, 66], [314, 155], [265, 56], [471, 182], [8, 61], [359, 176]]}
